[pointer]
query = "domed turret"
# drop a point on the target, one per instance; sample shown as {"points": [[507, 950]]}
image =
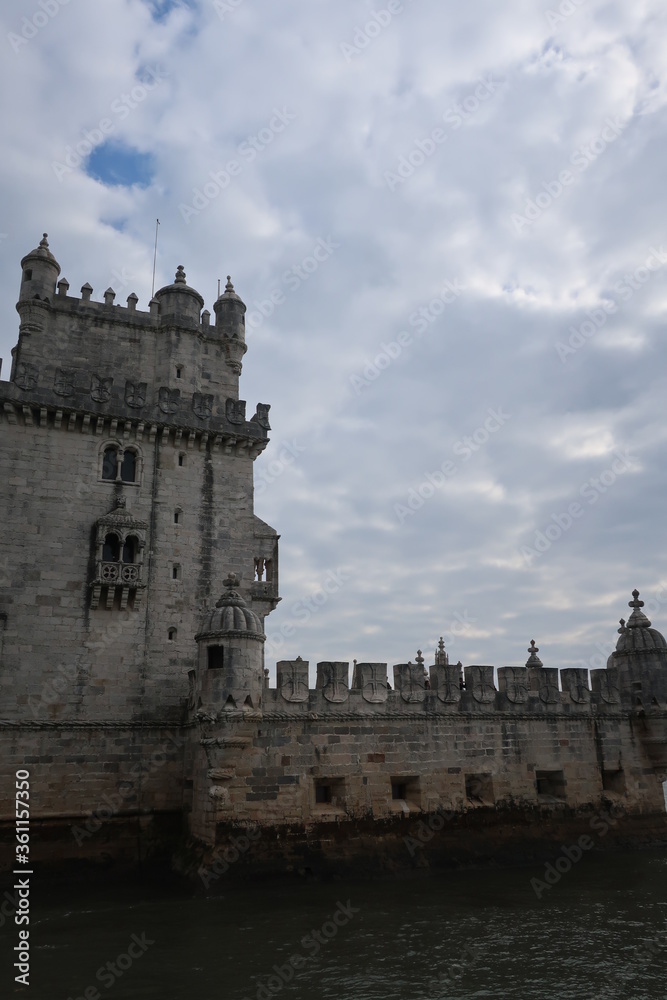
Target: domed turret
{"points": [[637, 640], [230, 324], [179, 304], [231, 654], [40, 273]]}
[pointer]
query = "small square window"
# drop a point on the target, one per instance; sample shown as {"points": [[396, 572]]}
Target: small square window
{"points": [[550, 785], [330, 792], [613, 781], [479, 789], [405, 789]]}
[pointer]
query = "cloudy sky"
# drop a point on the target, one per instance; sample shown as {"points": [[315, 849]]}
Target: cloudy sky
{"points": [[448, 224]]}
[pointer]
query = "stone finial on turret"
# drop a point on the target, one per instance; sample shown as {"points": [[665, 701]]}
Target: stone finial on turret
{"points": [[441, 657], [533, 660]]}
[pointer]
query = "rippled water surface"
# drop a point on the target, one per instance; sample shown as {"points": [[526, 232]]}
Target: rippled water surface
{"points": [[600, 932]]}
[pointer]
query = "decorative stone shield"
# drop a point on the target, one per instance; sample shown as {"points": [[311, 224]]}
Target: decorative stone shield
{"points": [[235, 411], [63, 384], [479, 681], [135, 394], [605, 685], [293, 680], [446, 682], [410, 681], [372, 679], [575, 682], [169, 399], [26, 376], [333, 681], [262, 416], [202, 404], [514, 682], [100, 388], [548, 689]]}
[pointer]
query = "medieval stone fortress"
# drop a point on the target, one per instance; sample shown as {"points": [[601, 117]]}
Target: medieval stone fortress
{"points": [[135, 579]]}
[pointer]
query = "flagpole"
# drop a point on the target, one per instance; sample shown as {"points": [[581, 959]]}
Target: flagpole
{"points": [[157, 223]]}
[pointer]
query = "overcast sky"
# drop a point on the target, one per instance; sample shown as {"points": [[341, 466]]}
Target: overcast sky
{"points": [[448, 224]]}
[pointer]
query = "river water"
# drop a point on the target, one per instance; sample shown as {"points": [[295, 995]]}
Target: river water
{"points": [[599, 932]]}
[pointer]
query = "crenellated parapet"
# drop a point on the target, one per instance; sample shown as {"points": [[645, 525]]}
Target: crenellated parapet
{"points": [[444, 689]]}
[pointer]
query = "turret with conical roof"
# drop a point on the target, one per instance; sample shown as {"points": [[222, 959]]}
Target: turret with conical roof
{"points": [[230, 324], [40, 273]]}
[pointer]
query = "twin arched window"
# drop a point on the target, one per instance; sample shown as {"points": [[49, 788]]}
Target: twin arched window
{"points": [[119, 465], [111, 549]]}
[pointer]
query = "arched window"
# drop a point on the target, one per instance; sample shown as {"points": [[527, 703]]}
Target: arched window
{"points": [[111, 549], [128, 468], [110, 463], [130, 549], [172, 634]]}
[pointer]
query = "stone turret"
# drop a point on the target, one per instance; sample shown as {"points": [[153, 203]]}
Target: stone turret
{"points": [[230, 324], [40, 273], [179, 303], [231, 655]]}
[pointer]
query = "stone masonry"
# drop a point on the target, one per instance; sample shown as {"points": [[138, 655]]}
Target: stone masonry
{"points": [[134, 584]]}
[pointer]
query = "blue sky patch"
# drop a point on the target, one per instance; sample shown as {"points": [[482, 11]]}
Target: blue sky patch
{"points": [[118, 165]]}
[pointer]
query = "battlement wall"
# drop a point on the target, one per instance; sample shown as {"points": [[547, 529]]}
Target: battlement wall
{"points": [[454, 689]]}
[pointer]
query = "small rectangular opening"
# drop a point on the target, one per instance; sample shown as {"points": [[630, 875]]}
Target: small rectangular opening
{"points": [[215, 657], [330, 792], [550, 785], [176, 572], [613, 781], [405, 788], [181, 460], [479, 789]]}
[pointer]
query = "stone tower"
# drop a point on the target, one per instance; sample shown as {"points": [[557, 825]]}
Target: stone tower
{"points": [[126, 495]]}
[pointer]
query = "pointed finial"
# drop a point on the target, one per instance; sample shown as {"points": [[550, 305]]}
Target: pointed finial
{"points": [[419, 660], [441, 656], [229, 287], [180, 276], [44, 242], [231, 581], [636, 603], [533, 660], [621, 622]]}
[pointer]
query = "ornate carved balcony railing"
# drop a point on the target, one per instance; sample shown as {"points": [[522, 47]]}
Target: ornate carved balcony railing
{"points": [[117, 575]]}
